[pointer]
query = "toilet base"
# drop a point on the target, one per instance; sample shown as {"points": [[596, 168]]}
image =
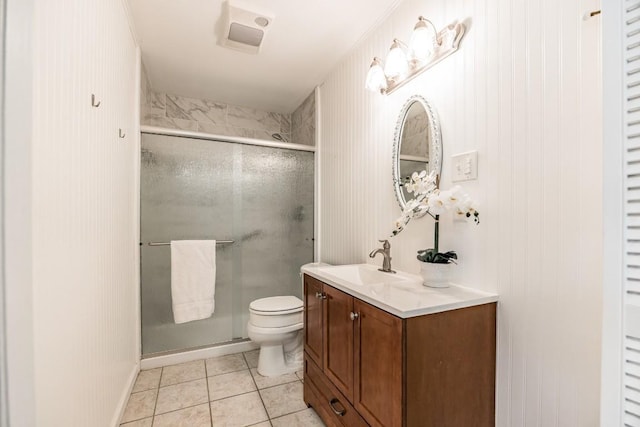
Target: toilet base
{"points": [[271, 361]]}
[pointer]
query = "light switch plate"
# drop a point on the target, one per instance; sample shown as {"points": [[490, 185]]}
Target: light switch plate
{"points": [[465, 166]]}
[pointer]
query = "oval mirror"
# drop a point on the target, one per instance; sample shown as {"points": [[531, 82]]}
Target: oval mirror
{"points": [[417, 145]]}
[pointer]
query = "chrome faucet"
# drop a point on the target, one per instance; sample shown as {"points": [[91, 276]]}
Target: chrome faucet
{"points": [[386, 253]]}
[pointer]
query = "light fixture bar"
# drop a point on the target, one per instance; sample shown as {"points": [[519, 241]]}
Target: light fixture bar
{"points": [[448, 40]]}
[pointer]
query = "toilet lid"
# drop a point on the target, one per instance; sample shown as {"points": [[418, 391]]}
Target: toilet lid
{"points": [[276, 304]]}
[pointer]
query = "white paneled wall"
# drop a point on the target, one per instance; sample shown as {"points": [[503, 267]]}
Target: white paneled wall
{"points": [[524, 91], [85, 287]]}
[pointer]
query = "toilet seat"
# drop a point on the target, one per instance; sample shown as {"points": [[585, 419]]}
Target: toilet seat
{"points": [[276, 312], [274, 306]]}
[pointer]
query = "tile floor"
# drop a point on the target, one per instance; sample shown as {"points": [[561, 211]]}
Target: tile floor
{"points": [[222, 391]]}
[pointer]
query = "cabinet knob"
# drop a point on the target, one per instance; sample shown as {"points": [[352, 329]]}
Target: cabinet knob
{"points": [[321, 295], [354, 316]]}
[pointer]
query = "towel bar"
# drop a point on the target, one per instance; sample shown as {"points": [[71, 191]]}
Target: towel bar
{"points": [[218, 242]]}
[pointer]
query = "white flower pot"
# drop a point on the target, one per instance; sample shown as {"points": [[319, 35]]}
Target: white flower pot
{"points": [[435, 275]]}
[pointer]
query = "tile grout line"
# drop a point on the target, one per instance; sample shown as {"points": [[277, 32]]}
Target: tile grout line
{"points": [[186, 407], [275, 385], [156, 389], [196, 379], [185, 382], [288, 413], [177, 410], [234, 395], [206, 379], [182, 382], [180, 409], [257, 389], [291, 413], [153, 415], [224, 373]]}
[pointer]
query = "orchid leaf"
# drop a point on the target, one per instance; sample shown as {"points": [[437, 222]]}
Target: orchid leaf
{"points": [[430, 255]]}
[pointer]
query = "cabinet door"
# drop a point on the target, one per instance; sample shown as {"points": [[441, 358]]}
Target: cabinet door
{"points": [[378, 367], [313, 319], [338, 340]]}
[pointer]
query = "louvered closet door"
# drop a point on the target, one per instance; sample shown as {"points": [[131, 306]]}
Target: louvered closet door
{"points": [[631, 352]]}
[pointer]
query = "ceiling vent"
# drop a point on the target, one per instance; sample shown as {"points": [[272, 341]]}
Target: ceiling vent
{"points": [[244, 29]]}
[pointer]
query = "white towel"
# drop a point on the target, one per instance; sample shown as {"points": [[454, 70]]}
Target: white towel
{"points": [[193, 279]]}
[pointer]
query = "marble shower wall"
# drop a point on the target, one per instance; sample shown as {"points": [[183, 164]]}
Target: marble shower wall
{"points": [[303, 121], [202, 115], [415, 135]]}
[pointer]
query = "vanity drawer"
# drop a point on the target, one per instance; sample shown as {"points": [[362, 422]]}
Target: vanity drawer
{"points": [[330, 398], [312, 398]]}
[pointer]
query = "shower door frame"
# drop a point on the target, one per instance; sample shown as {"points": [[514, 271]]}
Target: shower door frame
{"points": [[154, 130]]}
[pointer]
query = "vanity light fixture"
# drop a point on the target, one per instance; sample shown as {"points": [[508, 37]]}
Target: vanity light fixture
{"points": [[428, 46]]}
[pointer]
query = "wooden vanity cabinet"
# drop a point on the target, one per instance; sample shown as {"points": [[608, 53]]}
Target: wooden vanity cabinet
{"points": [[365, 366]]}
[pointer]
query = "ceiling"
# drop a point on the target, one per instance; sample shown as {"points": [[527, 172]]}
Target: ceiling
{"points": [[307, 38]]}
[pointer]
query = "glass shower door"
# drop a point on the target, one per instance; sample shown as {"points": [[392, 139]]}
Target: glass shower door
{"points": [[260, 197]]}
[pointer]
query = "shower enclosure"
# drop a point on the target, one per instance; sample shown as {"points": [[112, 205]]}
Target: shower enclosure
{"points": [[259, 197]]}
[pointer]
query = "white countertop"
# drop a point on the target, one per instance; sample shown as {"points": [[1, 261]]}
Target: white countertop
{"points": [[404, 299]]}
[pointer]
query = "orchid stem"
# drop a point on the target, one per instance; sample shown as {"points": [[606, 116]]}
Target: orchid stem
{"points": [[436, 233]]}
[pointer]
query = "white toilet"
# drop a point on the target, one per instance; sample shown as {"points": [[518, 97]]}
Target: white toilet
{"points": [[275, 323]]}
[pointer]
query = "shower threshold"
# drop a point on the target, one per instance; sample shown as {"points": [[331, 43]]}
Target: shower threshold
{"points": [[172, 357]]}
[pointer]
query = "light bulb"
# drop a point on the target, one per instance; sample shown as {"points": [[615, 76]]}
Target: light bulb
{"points": [[422, 42], [396, 65], [376, 80]]}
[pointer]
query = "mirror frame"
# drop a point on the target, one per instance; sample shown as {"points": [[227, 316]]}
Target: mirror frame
{"points": [[435, 147]]}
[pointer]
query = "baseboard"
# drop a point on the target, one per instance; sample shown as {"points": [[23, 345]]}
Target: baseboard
{"points": [[122, 403], [201, 353]]}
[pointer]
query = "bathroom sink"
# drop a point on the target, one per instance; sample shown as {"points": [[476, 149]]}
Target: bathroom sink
{"points": [[367, 275], [400, 294]]}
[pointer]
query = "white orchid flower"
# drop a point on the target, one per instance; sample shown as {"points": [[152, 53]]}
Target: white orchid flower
{"points": [[457, 194], [447, 199], [429, 199], [436, 204], [400, 223], [464, 204], [465, 208]]}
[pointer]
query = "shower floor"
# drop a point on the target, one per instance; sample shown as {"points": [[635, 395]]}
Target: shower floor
{"points": [[221, 391]]}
